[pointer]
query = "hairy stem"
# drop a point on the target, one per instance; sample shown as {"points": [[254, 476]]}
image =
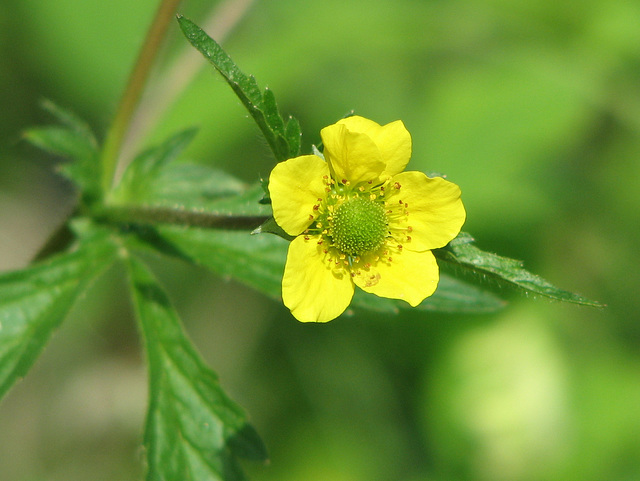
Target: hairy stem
{"points": [[133, 91], [169, 215]]}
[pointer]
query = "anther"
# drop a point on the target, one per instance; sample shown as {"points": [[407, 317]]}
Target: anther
{"points": [[397, 185]]}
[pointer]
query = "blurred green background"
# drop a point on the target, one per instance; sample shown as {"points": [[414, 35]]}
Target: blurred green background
{"points": [[532, 107]]}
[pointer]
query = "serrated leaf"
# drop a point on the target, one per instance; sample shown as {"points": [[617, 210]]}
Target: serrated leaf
{"points": [[74, 141], [192, 185], [258, 261], [254, 260], [262, 107], [34, 301], [462, 253], [451, 296], [60, 141], [293, 134], [193, 430], [139, 177], [271, 113], [70, 120]]}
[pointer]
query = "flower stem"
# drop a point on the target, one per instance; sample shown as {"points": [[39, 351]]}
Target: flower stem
{"points": [[144, 215], [133, 91]]}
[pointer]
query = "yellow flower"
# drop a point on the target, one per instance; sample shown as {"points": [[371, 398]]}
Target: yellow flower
{"points": [[358, 219]]}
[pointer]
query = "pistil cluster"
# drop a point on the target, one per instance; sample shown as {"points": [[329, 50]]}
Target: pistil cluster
{"points": [[358, 225]]}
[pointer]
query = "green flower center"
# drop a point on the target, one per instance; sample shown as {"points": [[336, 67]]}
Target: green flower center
{"points": [[359, 226]]}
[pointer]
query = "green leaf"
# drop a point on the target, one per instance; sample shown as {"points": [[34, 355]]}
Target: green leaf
{"points": [[254, 260], [258, 261], [262, 106], [70, 120], [193, 185], [60, 141], [452, 296], [139, 177], [72, 139], [34, 301], [156, 189], [462, 253], [294, 136], [193, 430]]}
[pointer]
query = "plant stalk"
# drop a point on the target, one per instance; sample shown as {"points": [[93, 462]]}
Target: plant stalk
{"points": [[139, 215], [133, 91]]}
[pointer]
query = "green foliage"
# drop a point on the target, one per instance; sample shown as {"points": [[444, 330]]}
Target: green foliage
{"points": [[283, 139], [193, 430], [138, 180], [34, 301], [72, 139], [463, 254], [206, 217]]}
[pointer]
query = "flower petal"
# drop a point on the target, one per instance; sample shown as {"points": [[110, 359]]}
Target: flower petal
{"points": [[295, 186], [436, 213], [393, 141], [353, 156], [311, 287], [410, 276]]}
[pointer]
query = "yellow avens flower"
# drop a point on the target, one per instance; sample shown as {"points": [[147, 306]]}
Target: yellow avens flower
{"points": [[358, 219]]}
